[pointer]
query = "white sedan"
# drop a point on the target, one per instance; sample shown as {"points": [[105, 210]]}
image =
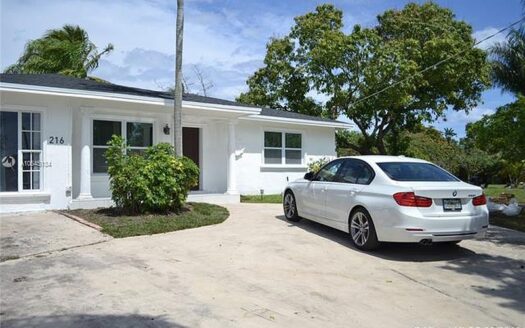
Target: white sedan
{"points": [[389, 199]]}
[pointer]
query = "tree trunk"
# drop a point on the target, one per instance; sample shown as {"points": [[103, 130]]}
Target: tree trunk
{"points": [[177, 110]]}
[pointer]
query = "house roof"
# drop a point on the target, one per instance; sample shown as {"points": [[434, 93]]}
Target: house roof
{"points": [[68, 82]]}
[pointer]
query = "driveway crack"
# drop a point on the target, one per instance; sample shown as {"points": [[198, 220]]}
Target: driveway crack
{"points": [[50, 252]]}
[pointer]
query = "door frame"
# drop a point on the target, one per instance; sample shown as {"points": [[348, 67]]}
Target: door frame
{"points": [[201, 153]]}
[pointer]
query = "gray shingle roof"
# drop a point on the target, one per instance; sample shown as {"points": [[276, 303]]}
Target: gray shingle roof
{"points": [[68, 82]]}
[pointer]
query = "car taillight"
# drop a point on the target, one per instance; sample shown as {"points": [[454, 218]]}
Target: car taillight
{"points": [[479, 200], [410, 199]]}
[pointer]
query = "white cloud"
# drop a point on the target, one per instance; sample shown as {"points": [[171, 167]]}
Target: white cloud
{"points": [[228, 44], [486, 32]]}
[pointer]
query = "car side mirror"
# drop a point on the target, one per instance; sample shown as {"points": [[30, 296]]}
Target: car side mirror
{"points": [[309, 176]]}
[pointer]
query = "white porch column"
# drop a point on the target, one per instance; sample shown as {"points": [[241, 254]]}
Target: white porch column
{"points": [[85, 158], [232, 182]]}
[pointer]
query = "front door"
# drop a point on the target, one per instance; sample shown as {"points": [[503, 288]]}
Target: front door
{"points": [[191, 146]]}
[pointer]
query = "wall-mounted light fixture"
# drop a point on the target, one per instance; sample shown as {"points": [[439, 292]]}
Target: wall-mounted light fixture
{"points": [[166, 129]]}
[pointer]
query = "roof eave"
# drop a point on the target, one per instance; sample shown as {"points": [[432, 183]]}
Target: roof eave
{"points": [[86, 94], [287, 120]]}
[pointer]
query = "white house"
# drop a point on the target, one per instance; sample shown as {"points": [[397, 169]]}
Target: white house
{"points": [[54, 129]]}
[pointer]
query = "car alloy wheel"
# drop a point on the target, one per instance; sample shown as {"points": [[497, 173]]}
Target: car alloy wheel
{"points": [[360, 228], [290, 207]]}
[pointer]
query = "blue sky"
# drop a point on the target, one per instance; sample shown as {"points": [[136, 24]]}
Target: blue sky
{"points": [[225, 39]]}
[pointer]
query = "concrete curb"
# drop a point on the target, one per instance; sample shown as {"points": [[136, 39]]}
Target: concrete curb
{"points": [[80, 220]]}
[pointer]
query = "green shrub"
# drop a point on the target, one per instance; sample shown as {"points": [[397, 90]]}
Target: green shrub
{"points": [[155, 181], [315, 166]]}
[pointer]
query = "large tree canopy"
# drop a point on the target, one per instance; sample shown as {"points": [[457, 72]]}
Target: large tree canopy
{"points": [[321, 70], [65, 51]]}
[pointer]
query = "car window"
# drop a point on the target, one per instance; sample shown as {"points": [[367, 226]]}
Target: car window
{"points": [[355, 171], [329, 171], [410, 171]]}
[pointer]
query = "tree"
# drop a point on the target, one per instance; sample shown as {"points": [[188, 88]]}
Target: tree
{"points": [[503, 134], [429, 144], [177, 104], [343, 141], [66, 51], [317, 60], [204, 84], [477, 163], [449, 134], [508, 64]]}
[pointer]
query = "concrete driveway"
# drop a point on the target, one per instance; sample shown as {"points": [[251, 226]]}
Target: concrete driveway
{"points": [[37, 233], [257, 270]]}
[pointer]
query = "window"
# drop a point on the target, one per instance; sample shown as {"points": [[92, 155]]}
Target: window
{"points": [[31, 151], [329, 171], [138, 136], [283, 148], [413, 171], [20, 138], [102, 133], [356, 172]]}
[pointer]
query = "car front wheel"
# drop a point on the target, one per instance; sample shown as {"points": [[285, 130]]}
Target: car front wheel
{"points": [[290, 207], [362, 230]]}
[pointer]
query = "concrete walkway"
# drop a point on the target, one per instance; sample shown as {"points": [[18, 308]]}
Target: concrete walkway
{"points": [[30, 234], [257, 270]]}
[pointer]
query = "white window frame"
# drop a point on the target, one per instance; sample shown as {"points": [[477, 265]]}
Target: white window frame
{"points": [[20, 172], [123, 133], [283, 148], [21, 152]]}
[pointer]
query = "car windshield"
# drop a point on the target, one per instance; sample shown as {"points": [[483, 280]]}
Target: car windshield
{"points": [[410, 171]]}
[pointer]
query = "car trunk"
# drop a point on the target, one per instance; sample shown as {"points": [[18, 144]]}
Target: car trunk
{"points": [[448, 198]]}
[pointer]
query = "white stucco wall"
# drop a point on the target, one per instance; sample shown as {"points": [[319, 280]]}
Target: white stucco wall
{"points": [[253, 175], [62, 117], [114, 111], [56, 179]]}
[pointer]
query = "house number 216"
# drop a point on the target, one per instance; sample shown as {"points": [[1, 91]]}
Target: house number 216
{"points": [[56, 140]]}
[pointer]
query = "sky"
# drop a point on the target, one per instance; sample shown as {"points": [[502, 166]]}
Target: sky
{"points": [[225, 39]]}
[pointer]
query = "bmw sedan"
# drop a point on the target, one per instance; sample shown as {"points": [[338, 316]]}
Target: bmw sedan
{"points": [[388, 199]]}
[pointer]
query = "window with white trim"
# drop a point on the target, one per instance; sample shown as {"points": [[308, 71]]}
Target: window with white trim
{"points": [[137, 135], [31, 151], [282, 148], [20, 151]]}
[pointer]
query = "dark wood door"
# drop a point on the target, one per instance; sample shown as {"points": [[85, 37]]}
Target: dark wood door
{"points": [[190, 146]]}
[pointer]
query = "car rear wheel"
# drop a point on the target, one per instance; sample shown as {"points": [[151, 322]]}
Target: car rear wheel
{"points": [[362, 230], [290, 207]]}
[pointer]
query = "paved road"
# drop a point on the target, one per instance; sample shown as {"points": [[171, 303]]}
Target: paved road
{"points": [[257, 270]]}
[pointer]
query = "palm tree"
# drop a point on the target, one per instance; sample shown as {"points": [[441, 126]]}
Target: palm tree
{"points": [[65, 51], [449, 134], [177, 107], [508, 65]]}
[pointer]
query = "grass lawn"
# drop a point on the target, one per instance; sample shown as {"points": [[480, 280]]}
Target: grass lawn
{"points": [[275, 199], [496, 190], [119, 226], [511, 222]]}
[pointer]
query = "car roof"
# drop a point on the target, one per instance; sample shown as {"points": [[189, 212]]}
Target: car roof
{"points": [[386, 158]]}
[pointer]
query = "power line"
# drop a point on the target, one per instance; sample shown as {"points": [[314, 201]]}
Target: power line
{"points": [[439, 62]]}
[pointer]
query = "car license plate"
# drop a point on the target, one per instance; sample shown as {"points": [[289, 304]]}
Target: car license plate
{"points": [[452, 204]]}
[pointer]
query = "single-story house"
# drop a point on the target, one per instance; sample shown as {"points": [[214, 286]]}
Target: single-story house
{"points": [[54, 130]]}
